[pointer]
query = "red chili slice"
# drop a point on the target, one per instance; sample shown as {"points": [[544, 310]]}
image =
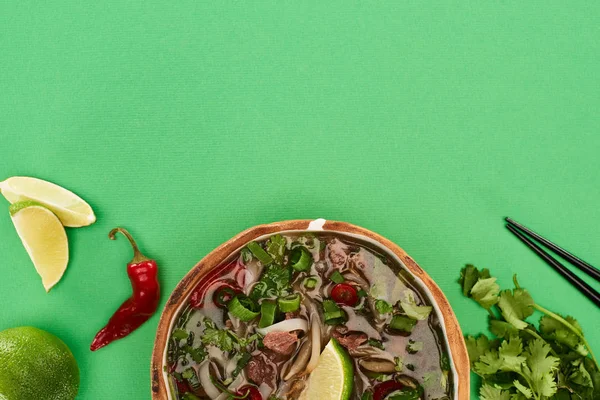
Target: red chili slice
{"points": [[197, 297], [383, 389], [249, 392], [224, 294], [342, 293]]}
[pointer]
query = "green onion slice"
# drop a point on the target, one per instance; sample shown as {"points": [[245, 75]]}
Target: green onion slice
{"points": [[243, 308], [267, 313], [337, 277], [310, 283], [260, 253], [332, 313], [300, 258], [289, 303]]}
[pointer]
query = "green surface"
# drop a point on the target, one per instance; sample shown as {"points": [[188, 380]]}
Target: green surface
{"points": [[187, 122]]}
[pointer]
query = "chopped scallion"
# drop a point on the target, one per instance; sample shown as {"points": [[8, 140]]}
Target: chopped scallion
{"points": [[243, 308], [310, 283], [337, 277], [260, 253], [332, 313], [300, 259], [289, 303], [267, 313], [402, 323]]}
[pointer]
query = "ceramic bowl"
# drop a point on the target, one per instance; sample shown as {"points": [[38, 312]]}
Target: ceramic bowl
{"points": [[454, 337]]}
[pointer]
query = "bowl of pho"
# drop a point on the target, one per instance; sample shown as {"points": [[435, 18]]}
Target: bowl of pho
{"points": [[309, 310]]}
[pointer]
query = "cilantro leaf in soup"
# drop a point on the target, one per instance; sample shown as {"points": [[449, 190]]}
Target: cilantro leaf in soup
{"points": [[414, 347], [276, 246], [275, 281], [411, 309], [383, 307], [217, 337], [375, 343]]}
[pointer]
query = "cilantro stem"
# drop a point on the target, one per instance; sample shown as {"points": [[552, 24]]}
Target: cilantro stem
{"points": [[492, 315], [571, 327]]}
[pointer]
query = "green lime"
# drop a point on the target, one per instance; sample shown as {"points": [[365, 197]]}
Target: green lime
{"points": [[35, 365], [44, 238], [333, 377]]}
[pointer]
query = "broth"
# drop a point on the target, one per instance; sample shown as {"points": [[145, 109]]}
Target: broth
{"points": [[249, 327]]}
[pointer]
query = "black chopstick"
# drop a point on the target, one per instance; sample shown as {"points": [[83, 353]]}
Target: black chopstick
{"points": [[576, 281], [578, 262]]}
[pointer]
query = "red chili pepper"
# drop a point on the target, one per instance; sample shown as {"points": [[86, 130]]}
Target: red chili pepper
{"points": [[383, 389], [249, 392], [140, 306], [342, 293], [225, 293]]}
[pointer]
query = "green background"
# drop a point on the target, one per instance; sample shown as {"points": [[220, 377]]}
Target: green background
{"points": [[189, 121]]}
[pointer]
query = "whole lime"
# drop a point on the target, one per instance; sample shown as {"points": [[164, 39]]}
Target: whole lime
{"points": [[35, 364]]}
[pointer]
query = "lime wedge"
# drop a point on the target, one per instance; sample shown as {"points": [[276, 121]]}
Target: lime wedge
{"points": [[44, 238], [333, 377], [68, 207]]}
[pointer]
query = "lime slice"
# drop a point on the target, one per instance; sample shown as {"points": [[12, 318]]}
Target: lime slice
{"points": [[35, 364], [70, 208], [333, 377], [44, 238]]}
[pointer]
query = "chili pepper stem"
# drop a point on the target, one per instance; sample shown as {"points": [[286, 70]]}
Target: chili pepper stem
{"points": [[137, 254]]}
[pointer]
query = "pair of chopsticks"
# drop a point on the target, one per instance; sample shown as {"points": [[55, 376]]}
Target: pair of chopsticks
{"points": [[526, 235]]}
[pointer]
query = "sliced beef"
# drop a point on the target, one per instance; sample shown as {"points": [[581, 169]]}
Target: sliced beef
{"points": [[337, 252], [350, 340], [260, 370], [280, 342]]}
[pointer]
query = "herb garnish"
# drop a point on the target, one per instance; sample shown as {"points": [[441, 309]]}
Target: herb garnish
{"points": [[524, 362], [224, 339]]}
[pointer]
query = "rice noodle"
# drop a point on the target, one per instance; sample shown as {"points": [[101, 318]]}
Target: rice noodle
{"points": [[301, 360], [204, 377], [288, 325], [315, 331], [265, 390]]}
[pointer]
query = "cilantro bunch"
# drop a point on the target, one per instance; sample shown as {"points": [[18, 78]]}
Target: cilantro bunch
{"points": [[553, 362]]}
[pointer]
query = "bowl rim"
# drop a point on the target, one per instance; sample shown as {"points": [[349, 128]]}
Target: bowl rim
{"points": [[454, 336]]}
